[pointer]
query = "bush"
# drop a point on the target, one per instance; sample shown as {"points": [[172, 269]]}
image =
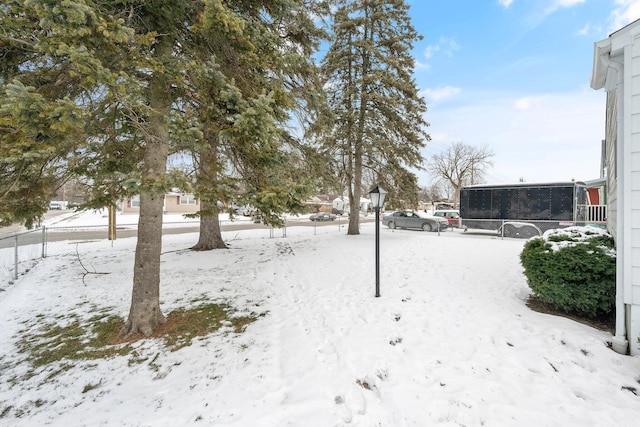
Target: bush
{"points": [[573, 270]]}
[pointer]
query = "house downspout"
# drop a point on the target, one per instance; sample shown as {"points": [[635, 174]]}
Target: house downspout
{"points": [[620, 343]]}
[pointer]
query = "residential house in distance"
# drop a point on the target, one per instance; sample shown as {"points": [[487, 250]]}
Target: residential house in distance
{"points": [[320, 203], [616, 68], [335, 204], [174, 202]]}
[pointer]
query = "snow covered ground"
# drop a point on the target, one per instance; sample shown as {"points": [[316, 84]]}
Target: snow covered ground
{"points": [[450, 342]]}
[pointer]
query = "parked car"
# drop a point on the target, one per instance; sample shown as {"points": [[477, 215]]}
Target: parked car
{"points": [[55, 206], [451, 215], [409, 219], [322, 216], [243, 210]]}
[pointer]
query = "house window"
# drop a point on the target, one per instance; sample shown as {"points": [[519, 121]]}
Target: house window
{"points": [[187, 199], [135, 202]]}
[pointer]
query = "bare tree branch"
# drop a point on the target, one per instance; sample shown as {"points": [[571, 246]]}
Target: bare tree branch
{"points": [[461, 165], [86, 271]]}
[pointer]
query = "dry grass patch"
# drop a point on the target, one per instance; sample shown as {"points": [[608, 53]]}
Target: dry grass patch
{"points": [[183, 325], [71, 338]]}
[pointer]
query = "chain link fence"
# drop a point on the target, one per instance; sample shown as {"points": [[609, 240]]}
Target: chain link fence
{"points": [[21, 250]]}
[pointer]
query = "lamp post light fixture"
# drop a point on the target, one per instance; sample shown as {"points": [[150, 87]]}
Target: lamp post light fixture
{"points": [[377, 200]]}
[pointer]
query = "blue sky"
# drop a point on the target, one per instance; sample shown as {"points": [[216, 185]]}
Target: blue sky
{"points": [[514, 75]]}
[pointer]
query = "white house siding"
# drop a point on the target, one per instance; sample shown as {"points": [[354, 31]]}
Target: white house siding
{"points": [[631, 193], [617, 68]]}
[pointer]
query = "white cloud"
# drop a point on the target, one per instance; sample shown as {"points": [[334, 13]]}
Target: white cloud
{"points": [[625, 12], [527, 103], [505, 3], [540, 137], [590, 31], [545, 8], [431, 50], [559, 4], [450, 46], [421, 65], [584, 31], [445, 46], [434, 96], [569, 3]]}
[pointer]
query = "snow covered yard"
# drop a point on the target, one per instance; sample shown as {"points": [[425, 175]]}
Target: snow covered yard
{"points": [[450, 341]]}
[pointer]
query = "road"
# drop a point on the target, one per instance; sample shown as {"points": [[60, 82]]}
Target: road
{"points": [[83, 233]]}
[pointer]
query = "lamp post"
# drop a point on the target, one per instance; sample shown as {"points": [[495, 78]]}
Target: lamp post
{"points": [[377, 200]]}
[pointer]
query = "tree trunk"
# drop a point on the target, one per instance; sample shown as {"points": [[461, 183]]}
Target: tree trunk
{"points": [[210, 233], [145, 314], [354, 215], [356, 194], [354, 219]]}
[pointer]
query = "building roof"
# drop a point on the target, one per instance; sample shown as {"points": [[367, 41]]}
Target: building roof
{"points": [[610, 47]]}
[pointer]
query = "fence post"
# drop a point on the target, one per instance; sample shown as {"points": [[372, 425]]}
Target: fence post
{"points": [[44, 241], [15, 260]]}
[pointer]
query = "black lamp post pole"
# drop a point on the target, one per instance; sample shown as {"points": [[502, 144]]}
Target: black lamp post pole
{"points": [[377, 200], [377, 251]]}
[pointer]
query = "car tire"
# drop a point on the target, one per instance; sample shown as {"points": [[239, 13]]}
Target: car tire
{"points": [[426, 226], [392, 225]]}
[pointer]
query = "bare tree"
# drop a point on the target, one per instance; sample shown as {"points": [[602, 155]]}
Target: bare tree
{"points": [[431, 193], [460, 165]]}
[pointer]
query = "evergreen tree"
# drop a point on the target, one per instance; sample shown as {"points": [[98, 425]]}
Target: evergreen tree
{"points": [[378, 126], [63, 63], [108, 90], [254, 68], [47, 77], [155, 81]]}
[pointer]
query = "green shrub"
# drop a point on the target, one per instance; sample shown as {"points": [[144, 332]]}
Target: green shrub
{"points": [[573, 270]]}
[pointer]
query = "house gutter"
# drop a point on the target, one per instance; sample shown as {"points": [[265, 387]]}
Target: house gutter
{"points": [[619, 342]]}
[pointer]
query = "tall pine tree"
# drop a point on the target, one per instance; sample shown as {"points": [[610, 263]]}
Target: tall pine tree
{"points": [[255, 68], [103, 90], [378, 128], [62, 64]]}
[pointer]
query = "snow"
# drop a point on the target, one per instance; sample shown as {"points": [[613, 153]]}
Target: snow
{"points": [[450, 342], [572, 236]]}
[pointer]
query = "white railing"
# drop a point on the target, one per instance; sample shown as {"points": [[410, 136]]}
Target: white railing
{"points": [[595, 213]]}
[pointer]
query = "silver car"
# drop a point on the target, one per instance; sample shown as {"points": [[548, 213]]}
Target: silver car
{"points": [[322, 216], [409, 219]]}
